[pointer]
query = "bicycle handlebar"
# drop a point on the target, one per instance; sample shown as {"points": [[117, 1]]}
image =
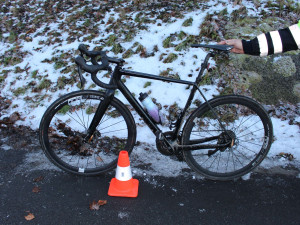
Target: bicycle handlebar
{"points": [[93, 69]]}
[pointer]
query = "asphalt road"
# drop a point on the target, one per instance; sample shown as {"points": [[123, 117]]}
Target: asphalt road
{"points": [[55, 197]]}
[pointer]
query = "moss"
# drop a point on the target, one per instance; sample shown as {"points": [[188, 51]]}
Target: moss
{"points": [[206, 79], [92, 86], [296, 90], [181, 35], [64, 109], [140, 48], [238, 14], [147, 84], [170, 58], [59, 64], [197, 102], [208, 30], [284, 66], [162, 56], [129, 36], [19, 91], [127, 54], [90, 110], [61, 82], [12, 60], [135, 44], [68, 69], [188, 22], [166, 73], [226, 91], [87, 23], [111, 40], [167, 43], [18, 69], [2, 78], [274, 89], [12, 37], [137, 18], [34, 74], [44, 84], [117, 48], [186, 43], [224, 12]]}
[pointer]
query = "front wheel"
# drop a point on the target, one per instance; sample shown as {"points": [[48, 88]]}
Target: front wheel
{"points": [[63, 132], [245, 124]]}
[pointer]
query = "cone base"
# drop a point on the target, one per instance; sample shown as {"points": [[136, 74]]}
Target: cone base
{"points": [[117, 191]]}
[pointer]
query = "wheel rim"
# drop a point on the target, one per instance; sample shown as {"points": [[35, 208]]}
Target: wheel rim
{"points": [[68, 124], [251, 141]]}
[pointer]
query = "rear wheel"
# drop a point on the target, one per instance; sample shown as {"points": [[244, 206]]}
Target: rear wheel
{"points": [[64, 127], [245, 124]]}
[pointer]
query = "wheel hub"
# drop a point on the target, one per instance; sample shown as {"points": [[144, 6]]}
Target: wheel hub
{"points": [[225, 137]]}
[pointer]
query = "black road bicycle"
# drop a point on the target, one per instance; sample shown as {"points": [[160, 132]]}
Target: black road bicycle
{"points": [[83, 132]]}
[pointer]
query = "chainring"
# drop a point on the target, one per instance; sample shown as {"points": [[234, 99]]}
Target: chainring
{"points": [[162, 146]]}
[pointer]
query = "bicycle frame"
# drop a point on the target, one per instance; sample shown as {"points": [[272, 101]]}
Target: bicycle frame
{"points": [[116, 80]]}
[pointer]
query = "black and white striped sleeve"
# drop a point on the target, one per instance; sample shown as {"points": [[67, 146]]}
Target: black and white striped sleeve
{"points": [[274, 42]]}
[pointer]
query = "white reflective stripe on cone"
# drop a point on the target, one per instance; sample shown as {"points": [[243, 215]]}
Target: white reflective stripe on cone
{"points": [[123, 173]]}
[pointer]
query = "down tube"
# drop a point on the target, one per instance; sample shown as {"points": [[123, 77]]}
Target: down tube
{"points": [[139, 109]]}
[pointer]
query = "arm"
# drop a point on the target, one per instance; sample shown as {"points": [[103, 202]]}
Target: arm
{"points": [[274, 42]]}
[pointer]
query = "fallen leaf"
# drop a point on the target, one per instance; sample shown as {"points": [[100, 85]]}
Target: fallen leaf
{"points": [[102, 202], [40, 178], [99, 159], [288, 156], [36, 189], [95, 205], [30, 216]]}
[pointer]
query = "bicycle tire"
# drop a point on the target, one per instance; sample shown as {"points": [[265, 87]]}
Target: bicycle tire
{"points": [[245, 120], [64, 125]]}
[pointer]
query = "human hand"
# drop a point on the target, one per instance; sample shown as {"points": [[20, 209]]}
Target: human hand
{"points": [[236, 43]]}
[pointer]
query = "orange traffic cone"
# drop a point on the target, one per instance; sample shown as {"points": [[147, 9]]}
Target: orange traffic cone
{"points": [[123, 185]]}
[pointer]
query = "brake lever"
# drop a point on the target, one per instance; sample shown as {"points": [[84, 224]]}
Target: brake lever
{"points": [[82, 79]]}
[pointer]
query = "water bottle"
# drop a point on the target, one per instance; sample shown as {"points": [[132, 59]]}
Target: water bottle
{"points": [[152, 109]]}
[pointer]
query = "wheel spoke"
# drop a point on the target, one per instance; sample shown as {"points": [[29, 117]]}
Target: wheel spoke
{"points": [[239, 116], [65, 134]]}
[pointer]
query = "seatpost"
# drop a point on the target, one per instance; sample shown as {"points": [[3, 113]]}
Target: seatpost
{"points": [[204, 66]]}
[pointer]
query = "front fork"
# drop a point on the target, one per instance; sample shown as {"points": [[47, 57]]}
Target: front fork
{"points": [[102, 107]]}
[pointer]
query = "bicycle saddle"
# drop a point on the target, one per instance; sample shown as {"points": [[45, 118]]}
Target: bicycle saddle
{"points": [[215, 47]]}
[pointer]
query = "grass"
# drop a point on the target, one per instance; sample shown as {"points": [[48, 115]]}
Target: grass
{"points": [[111, 40], [44, 84], [127, 54], [19, 91], [188, 22], [34, 74], [117, 48], [121, 20], [64, 109], [2, 78], [147, 84], [167, 43], [170, 58]]}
